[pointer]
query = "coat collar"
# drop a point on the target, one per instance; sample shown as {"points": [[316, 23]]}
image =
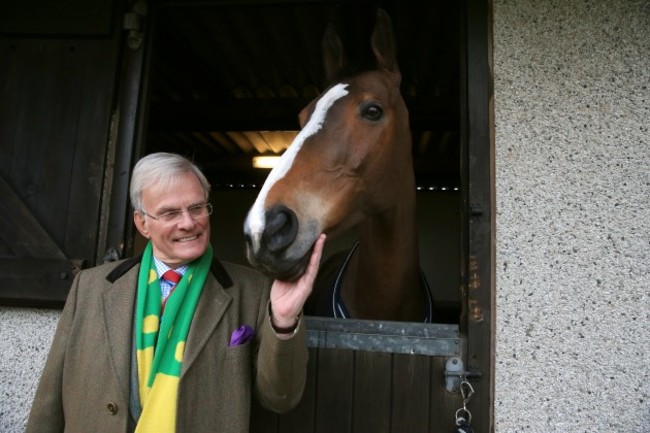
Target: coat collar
{"points": [[216, 268]]}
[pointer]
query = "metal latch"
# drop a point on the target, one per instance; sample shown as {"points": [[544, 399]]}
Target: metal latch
{"points": [[455, 374]]}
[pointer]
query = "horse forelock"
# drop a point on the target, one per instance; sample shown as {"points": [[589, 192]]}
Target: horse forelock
{"points": [[255, 220]]}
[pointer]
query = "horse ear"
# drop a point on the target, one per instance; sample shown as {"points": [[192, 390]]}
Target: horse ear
{"points": [[333, 55], [383, 44]]}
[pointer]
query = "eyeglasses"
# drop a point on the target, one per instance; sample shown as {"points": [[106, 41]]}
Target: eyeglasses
{"points": [[196, 212]]}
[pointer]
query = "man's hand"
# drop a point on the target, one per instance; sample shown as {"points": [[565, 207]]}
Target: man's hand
{"points": [[288, 298]]}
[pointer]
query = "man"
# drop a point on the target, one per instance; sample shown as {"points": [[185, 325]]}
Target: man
{"points": [[136, 351]]}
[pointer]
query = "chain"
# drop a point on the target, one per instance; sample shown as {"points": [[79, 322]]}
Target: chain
{"points": [[463, 415]]}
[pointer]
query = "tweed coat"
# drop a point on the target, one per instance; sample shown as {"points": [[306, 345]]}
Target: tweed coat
{"points": [[84, 386]]}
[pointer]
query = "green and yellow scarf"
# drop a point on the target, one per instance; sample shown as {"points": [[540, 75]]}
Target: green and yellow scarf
{"points": [[160, 346]]}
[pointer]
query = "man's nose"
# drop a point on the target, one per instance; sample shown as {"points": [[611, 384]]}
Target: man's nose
{"points": [[186, 220]]}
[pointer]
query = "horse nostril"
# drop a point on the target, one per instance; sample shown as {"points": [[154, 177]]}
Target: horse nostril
{"points": [[281, 228]]}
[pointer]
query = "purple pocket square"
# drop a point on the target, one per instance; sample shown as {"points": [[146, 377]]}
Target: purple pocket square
{"points": [[241, 335]]}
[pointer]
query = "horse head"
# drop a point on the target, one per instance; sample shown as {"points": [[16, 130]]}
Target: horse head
{"points": [[350, 161]]}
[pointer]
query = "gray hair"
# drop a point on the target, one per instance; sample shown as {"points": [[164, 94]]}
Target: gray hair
{"points": [[161, 168]]}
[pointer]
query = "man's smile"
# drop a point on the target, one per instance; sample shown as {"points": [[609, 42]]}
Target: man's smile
{"points": [[187, 238]]}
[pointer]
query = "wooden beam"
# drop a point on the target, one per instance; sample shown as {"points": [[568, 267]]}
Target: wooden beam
{"points": [[257, 114], [33, 282], [22, 233]]}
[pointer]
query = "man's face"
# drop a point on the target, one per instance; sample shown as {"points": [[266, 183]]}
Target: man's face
{"points": [[180, 242]]}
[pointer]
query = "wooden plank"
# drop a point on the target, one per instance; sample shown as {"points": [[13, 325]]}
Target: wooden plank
{"points": [[35, 282], [97, 82], [33, 78], [21, 232], [56, 143], [262, 420], [481, 273], [278, 114], [5, 251], [335, 387], [411, 382], [477, 183], [443, 404], [301, 419], [88, 17], [372, 392], [11, 101], [124, 147]]}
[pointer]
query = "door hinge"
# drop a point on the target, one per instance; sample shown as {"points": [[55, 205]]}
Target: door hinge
{"points": [[133, 24], [111, 255]]}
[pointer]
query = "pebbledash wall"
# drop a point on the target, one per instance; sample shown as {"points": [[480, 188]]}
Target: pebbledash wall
{"points": [[572, 119], [572, 124]]}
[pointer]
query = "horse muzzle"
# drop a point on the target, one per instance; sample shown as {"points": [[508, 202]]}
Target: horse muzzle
{"points": [[278, 247]]}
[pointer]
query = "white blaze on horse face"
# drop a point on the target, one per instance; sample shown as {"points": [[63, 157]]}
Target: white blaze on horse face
{"points": [[255, 220]]}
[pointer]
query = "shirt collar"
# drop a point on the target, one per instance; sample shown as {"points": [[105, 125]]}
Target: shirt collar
{"points": [[161, 268]]}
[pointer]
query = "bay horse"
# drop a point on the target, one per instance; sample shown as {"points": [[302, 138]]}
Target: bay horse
{"points": [[350, 165]]}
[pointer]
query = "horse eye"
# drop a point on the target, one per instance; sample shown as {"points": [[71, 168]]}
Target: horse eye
{"points": [[372, 111]]}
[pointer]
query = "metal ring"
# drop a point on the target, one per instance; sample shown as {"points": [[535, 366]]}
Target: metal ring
{"points": [[469, 415]]}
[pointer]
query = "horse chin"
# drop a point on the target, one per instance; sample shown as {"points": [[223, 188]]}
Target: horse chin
{"points": [[280, 268], [283, 261], [290, 274]]}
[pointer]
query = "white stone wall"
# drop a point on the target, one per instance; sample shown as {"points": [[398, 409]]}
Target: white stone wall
{"points": [[572, 113], [25, 338], [572, 109]]}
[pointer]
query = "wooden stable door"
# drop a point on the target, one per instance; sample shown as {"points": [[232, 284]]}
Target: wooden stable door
{"points": [[372, 376], [59, 68]]}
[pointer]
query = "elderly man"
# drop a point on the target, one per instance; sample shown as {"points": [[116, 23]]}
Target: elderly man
{"points": [[173, 340]]}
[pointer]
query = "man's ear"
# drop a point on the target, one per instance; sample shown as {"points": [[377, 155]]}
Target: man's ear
{"points": [[140, 224]]}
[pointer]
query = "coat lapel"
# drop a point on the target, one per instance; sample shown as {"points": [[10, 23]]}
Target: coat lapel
{"points": [[210, 309], [118, 304]]}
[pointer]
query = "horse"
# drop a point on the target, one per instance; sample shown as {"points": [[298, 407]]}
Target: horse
{"points": [[349, 166]]}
